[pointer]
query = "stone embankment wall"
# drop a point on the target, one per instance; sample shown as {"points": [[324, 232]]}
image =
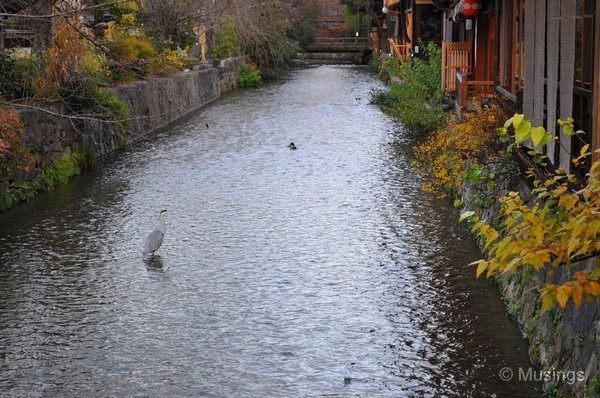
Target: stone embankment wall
{"points": [[48, 135], [559, 340], [228, 72], [155, 103]]}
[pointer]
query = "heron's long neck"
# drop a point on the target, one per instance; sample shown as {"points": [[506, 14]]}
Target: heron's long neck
{"points": [[161, 223]]}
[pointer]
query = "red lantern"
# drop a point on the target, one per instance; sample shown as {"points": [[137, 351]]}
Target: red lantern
{"points": [[471, 8]]}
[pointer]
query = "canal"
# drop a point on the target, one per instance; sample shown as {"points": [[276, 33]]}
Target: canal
{"points": [[322, 271]]}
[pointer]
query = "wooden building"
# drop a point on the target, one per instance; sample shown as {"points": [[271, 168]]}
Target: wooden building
{"points": [[407, 21], [19, 31], [541, 56]]}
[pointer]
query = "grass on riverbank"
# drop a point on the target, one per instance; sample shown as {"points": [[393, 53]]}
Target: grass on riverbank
{"points": [[58, 173], [248, 76]]}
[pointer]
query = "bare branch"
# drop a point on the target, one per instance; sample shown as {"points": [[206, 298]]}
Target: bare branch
{"points": [[62, 13]]}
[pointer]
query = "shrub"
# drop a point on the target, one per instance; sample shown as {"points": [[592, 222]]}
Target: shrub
{"points": [[354, 18], [302, 20], [444, 157], [271, 53], [415, 93], [556, 229], [19, 76], [8, 83], [130, 57], [62, 58], [225, 42], [304, 34], [131, 48], [248, 76], [87, 97], [112, 108], [120, 71], [13, 156], [168, 61]]}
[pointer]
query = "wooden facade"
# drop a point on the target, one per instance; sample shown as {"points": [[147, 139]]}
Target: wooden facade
{"points": [[397, 24], [19, 32], [542, 57], [596, 89], [456, 58], [408, 22]]}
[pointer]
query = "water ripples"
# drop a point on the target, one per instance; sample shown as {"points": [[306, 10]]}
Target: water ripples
{"points": [[317, 272]]}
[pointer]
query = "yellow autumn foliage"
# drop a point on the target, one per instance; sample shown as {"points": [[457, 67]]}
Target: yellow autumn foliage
{"points": [[561, 229]]}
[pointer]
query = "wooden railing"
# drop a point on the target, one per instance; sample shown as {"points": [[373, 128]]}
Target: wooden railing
{"points": [[456, 57], [342, 40], [399, 50], [339, 44], [466, 88]]}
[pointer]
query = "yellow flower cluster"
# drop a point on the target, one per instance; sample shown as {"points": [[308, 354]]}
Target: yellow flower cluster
{"points": [[442, 159]]}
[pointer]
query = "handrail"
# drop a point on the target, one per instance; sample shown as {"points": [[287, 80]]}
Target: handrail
{"points": [[399, 50], [341, 40]]}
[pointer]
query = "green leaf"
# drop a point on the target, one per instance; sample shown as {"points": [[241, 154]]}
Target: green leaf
{"points": [[523, 132], [474, 174], [537, 135], [547, 138], [465, 215], [517, 119]]}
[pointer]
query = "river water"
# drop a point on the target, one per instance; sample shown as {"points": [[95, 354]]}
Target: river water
{"points": [[317, 272]]}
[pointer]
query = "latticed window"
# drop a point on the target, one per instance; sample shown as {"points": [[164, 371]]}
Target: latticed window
{"points": [[517, 42], [510, 73], [584, 63]]}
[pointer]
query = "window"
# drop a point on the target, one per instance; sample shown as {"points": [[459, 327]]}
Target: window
{"points": [[510, 73], [584, 63], [518, 34]]}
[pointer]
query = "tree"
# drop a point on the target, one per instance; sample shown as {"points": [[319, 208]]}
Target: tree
{"points": [[302, 18], [172, 22]]}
